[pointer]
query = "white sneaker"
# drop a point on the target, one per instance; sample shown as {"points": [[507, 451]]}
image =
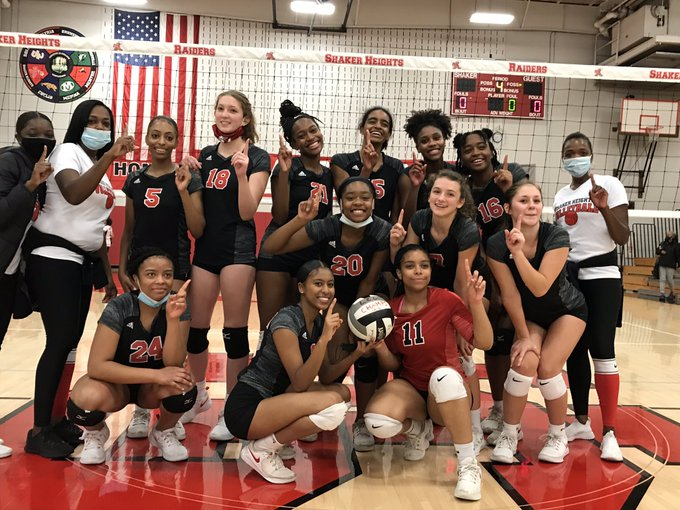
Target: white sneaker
{"points": [[180, 431], [610, 448], [93, 450], [417, 444], [139, 424], [202, 404], [268, 464], [554, 450], [220, 432], [469, 484], [363, 439], [5, 451], [506, 448], [478, 441], [167, 443], [493, 437], [578, 430], [494, 421], [310, 438], [287, 452]]}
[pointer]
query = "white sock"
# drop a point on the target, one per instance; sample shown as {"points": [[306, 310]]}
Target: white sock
{"points": [[200, 386], [267, 444], [416, 428], [513, 430], [465, 451], [476, 420], [556, 430]]}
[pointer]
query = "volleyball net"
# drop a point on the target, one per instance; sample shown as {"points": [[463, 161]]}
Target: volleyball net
{"points": [[630, 114]]}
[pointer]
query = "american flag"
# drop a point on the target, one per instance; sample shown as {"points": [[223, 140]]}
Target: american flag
{"points": [[145, 85]]}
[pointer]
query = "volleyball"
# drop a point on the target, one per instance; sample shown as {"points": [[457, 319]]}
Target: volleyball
{"points": [[370, 317]]}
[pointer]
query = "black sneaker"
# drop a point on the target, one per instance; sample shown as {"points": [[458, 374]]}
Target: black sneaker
{"points": [[671, 299], [48, 444], [662, 299], [69, 432]]}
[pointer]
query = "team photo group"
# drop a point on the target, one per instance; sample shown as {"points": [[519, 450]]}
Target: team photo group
{"points": [[375, 282]]}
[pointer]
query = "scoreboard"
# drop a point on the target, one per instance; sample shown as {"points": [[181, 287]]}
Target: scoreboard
{"points": [[498, 95]]}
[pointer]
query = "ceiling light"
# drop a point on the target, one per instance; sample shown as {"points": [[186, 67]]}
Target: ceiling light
{"points": [[312, 7], [126, 2], [491, 18]]}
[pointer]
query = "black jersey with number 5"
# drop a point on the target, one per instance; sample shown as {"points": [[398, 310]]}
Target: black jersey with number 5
{"points": [[159, 214], [385, 180], [349, 265], [463, 234]]}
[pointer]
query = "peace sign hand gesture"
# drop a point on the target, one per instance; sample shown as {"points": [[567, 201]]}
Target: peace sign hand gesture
{"points": [[476, 285], [240, 160], [503, 177], [285, 156], [177, 303], [598, 195], [369, 156], [397, 232], [417, 172]]}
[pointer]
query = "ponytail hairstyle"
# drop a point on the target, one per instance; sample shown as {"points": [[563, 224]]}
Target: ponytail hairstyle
{"points": [[290, 114], [459, 143]]}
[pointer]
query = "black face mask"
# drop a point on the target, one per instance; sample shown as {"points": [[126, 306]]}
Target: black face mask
{"points": [[35, 146]]}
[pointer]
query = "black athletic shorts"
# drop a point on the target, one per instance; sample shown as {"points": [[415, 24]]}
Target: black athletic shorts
{"points": [[545, 318], [240, 408], [502, 342]]}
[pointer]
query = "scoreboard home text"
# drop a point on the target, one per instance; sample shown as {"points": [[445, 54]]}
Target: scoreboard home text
{"points": [[498, 95]]}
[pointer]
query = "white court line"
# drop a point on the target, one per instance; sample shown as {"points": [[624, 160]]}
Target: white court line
{"points": [[651, 329]]}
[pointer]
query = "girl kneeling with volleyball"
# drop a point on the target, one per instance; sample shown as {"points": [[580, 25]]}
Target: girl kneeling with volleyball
{"points": [[137, 356], [272, 403], [429, 386]]}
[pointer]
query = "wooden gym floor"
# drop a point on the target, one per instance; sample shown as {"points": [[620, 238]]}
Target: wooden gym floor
{"points": [[331, 475]]}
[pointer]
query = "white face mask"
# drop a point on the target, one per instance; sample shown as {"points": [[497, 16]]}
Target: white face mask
{"points": [[344, 219], [577, 167]]}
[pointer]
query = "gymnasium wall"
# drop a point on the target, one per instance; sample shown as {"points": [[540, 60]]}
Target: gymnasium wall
{"points": [[338, 94]]}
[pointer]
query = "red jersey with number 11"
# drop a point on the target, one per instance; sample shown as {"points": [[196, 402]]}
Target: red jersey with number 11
{"points": [[420, 339]]}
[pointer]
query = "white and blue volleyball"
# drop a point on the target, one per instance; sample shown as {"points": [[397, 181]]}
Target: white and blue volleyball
{"points": [[370, 317]]}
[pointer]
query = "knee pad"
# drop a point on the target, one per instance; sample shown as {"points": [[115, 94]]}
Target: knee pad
{"points": [[331, 417], [382, 426], [446, 384], [82, 417], [180, 403], [366, 369], [517, 384], [552, 388], [236, 342], [198, 340], [468, 364], [605, 366]]}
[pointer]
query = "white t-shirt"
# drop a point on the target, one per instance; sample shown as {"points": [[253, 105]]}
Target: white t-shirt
{"points": [[588, 234], [80, 224]]}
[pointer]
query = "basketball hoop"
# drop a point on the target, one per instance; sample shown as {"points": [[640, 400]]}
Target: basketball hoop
{"points": [[652, 133]]}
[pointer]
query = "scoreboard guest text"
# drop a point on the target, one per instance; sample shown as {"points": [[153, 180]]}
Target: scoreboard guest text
{"points": [[498, 95]]}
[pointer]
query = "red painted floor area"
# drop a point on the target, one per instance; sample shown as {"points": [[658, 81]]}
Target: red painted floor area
{"points": [[133, 477]]}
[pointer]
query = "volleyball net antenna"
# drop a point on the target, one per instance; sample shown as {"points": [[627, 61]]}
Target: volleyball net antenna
{"points": [[529, 106]]}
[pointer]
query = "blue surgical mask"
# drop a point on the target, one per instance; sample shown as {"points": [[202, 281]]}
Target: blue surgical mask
{"points": [[143, 298], [577, 167], [95, 139]]}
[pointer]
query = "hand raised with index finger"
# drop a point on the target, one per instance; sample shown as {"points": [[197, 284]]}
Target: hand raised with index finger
{"points": [[285, 156]]}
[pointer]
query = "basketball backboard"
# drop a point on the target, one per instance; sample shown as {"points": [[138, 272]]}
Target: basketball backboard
{"points": [[642, 116]]}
